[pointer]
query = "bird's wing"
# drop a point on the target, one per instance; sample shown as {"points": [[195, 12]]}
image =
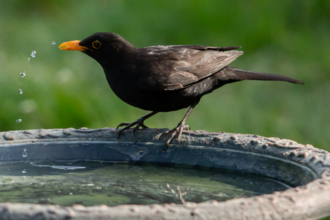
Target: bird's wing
{"points": [[200, 47], [176, 67]]}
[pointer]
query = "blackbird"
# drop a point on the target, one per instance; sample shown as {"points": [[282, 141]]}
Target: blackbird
{"points": [[164, 78]]}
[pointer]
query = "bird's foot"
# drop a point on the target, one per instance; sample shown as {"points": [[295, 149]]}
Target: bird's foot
{"points": [[138, 123], [175, 131]]}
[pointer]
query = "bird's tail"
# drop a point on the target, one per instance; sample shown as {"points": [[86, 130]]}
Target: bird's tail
{"points": [[237, 75]]}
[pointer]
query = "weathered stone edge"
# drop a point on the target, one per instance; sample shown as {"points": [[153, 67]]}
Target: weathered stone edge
{"points": [[311, 201]]}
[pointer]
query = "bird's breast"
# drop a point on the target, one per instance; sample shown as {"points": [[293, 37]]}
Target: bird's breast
{"points": [[124, 83]]}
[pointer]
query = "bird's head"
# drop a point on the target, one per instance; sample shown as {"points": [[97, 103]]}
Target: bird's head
{"points": [[104, 47]]}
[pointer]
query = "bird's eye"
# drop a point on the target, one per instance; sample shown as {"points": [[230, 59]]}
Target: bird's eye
{"points": [[96, 44]]}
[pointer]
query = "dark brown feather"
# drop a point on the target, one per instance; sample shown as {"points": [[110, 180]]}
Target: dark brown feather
{"points": [[189, 66], [235, 74]]}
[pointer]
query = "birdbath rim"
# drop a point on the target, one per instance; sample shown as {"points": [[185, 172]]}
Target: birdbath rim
{"points": [[304, 167]]}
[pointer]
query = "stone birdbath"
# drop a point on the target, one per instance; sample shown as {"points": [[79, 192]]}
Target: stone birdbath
{"points": [[302, 167]]}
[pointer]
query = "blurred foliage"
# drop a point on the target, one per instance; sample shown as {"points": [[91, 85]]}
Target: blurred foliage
{"points": [[68, 89]]}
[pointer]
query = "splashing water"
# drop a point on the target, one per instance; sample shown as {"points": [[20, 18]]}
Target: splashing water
{"points": [[53, 42], [20, 91], [28, 59], [24, 154], [33, 53], [18, 121], [22, 74]]}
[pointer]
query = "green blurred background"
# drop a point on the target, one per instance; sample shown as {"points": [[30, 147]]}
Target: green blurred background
{"points": [[68, 89]]}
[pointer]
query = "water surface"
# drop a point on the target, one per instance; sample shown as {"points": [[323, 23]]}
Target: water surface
{"points": [[95, 183]]}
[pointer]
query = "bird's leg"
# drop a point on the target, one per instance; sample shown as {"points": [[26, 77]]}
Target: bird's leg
{"points": [[178, 129], [138, 123]]}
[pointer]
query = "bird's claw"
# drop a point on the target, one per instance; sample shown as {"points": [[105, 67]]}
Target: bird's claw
{"points": [[137, 127], [138, 123], [122, 124], [175, 131]]}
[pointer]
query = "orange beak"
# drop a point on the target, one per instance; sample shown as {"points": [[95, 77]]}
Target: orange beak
{"points": [[72, 45]]}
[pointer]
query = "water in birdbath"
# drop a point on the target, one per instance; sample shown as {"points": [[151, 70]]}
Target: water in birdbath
{"points": [[95, 183]]}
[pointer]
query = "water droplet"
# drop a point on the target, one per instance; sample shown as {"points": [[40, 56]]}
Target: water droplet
{"points": [[18, 121], [22, 73], [24, 154], [28, 59], [24, 171], [20, 91], [33, 53], [53, 42]]}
